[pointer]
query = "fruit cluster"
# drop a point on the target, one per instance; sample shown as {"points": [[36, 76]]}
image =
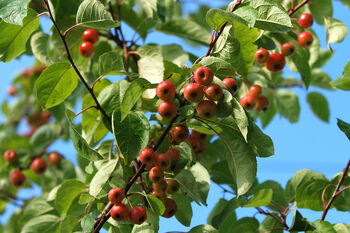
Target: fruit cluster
{"points": [[90, 37], [255, 100]]}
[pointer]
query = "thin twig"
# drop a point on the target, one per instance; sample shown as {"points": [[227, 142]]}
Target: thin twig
{"points": [[295, 9], [85, 110]]}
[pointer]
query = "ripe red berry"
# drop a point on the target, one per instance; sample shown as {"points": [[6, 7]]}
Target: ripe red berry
{"points": [[55, 158], [172, 186], [156, 175], [170, 208], [160, 195], [147, 157], [202, 147], [179, 133], [287, 49], [276, 62], [165, 90], [163, 161], [119, 212], [213, 92], [203, 76], [193, 92], [174, 154], [116, 195], [87, 49], [306, 20], [38, 166], [17, 178], [248, 101], [137, 215], [195, 142], [167, 109], [90, 35], [305, 39], [262, 103], [206, 109], [255, 90], [10, 156], [27, 73], [230, 84], [196, 134], [11, 90], [160, 186], [261, 56]]}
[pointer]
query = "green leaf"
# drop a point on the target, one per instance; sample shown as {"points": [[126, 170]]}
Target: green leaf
{"points": [[336, 30], [250, 225], [219, 66], [299, 59], [345, 127], [223, 216], [271, 223], [261, 198], [241, 118], [156, 205], [319, 105], [343, 82], [44, 136], [55, 84], [321, 9], [79, 142], [66, 193], [299, 223], [321, 79], [13, 11], [184, 209], [260, 142], [101, 177], [87, 222], [132, 95], [288, 105], [131, 134], [188, 185], [14, 141], [34, 208], [202, 178], [40, 46], [14, 43], [43, 223], [111, 63], [322, 227], [203, 228], [342, 228], [93, 14], [279, 198]]}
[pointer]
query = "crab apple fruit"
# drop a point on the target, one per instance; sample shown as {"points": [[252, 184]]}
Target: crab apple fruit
{"points": [[287, 49], [262, 103], [165, 91], [10, 156], [174, 154], [195, 142], [206, 109], [172, 186], [119, 212], [179, 133], [261, 56], [196, 134], [163, 161], [156, 175], [160, 195], [147, 157], [17, 178], [255, 90], [306, 20], [160, 186], [11, 90], [90, 35], [248, 101], [27, 72], [276, 62], [116, 195], [230, 84], [87, 49], [203, 76], [38, 166], [193, 92], [167, 109], [213, 92], [170, 208], [55, 158], [305, 39], [137, 215]]}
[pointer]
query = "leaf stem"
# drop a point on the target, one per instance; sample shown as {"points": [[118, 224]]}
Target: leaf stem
{"points": [[295, 9]]}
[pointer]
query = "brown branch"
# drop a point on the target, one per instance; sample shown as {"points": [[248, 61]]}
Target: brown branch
{"points": [[346, 188], [84, 110], [295, 9]]}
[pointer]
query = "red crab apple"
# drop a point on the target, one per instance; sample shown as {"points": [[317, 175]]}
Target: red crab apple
{"points": [[90, 35], [165, 90], [276, 62], [203, 75], [87, 49], [248, 101], [306, 20], [38, 166], [193, 92], [119, 212], [138, 215], [261, 56]]}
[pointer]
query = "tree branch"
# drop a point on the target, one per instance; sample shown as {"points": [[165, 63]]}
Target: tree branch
{"points": [[295, 9]]}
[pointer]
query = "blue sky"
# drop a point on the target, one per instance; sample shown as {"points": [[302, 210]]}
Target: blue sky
{"points": [[308, 144]]}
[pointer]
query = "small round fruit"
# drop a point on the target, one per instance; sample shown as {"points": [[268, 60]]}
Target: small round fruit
{"points": [[167, 109], [179, 133], [196, 134], [170, 208], [172, 186], [119, 212], [288, 49], [206, 109], [11, 90], [10, 156], [203, 76], [165, 90], [90, 35], [160, 186], [87, 49], [305, 39], [174, 154], [160, 195], [163, 161], [55, 158], [276, 62], [193, 92], [213, 92], [147, 156], [38, 166], [156, 175], [17, 178], [255, 90], [195, 142], [262, 103], [306, 20], [248, 101], [230, 84], [116, 195], [261, 56], [202, 147], [27, 72], [137, 215]]}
